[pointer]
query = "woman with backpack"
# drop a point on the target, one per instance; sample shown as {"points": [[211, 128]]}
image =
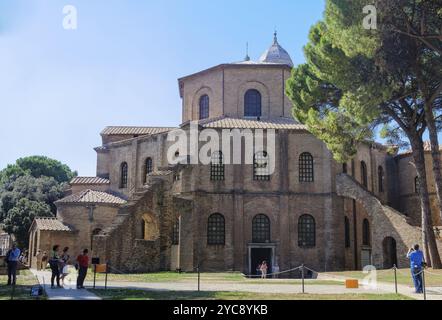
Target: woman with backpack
{"points": [[54, 263]]}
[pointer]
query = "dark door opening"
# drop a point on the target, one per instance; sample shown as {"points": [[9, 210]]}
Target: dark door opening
{"points": [[258, 255], [390, 252]]}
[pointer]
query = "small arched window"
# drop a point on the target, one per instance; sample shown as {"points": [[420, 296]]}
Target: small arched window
{"points": [[416, 185], [306, 231], [306, 173], [204, 106], [123, 175], [148, 168], [217, 166], [252, 103], [261, 168], [261, 229], [364, 179], [381, 179], [216, 229], [347, 232], [344, 168], [365, 233]]}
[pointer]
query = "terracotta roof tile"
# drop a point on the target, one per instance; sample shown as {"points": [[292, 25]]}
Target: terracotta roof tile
{"points": [[89, 180], [92, 196], [121, 130], [51, 224], [275, 123]]}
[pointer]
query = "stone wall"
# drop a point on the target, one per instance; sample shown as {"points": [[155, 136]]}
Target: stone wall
{"points": [[386, 222], [122, 244]]}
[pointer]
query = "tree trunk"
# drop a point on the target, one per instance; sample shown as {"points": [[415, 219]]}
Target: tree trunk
{"points": [[431, 252], [435, 155]]}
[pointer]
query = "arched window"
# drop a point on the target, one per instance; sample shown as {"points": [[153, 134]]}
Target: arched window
{"points": [[176, 232], [365, 233], [261, 168], [123, 175], [306, 231], [204, 106], [252, 103], [217, 166], [381, 179], [344, 168], [261, 229], [148, 168], [306, 173], [216, 229], [416, 185], [347, 232], [364, 179]]}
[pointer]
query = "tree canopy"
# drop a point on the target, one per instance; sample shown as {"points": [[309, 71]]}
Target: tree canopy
{"points": [[28, 189]]}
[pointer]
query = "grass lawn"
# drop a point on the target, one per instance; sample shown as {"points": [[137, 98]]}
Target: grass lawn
{"points": [[25, 280], [235, 277], [433, 278], [130, 294]]}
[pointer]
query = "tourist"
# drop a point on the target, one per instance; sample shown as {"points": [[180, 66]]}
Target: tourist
{"points": [[11, 259], [417, 263], [83, 264], [44, 261], [39, 257], [275, 271], [65, 264], [263, 269], [54, 263]]}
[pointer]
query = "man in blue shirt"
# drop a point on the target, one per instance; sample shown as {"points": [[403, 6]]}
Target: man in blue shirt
{"points": [[12, 260], [416, 257]]}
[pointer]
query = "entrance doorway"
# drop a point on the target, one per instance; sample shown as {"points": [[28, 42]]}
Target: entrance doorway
{"points": [[390, 253], [257, 256]]}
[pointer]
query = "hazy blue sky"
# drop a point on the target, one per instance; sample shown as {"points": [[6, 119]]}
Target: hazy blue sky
{"points": [[59, 88]]}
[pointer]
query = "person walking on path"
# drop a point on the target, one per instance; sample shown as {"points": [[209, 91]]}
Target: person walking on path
{"points": [[39, 257], [417, 263], [44, 261], [263, 269], [54, 263], [65, 264], [83, 264], [12, 257]]}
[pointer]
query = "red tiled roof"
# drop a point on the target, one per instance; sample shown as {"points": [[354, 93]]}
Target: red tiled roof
{"points": [[275, 123], [89, 180], [92, 196], [51, 224], [121, 130]]}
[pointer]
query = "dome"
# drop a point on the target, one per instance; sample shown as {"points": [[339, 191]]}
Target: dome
{"points": [[276, 54]]}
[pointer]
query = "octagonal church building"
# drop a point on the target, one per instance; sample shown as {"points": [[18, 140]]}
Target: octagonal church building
{"points": [[143, 213]]}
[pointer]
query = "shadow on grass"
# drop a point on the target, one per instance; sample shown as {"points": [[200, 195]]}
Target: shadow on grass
{"points": [[19, 292], [136, 294]]}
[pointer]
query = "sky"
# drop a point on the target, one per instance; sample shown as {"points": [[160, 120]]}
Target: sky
{"points": [[59, 88]]}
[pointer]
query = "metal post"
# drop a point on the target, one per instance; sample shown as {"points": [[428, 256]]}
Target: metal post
{"points": [[395, 278], [95, 273], [105, 278], [423, 283], [302, 275], [199, 276]]}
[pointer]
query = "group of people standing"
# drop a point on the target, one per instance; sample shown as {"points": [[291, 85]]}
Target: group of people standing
{"points": [[59, 264]]}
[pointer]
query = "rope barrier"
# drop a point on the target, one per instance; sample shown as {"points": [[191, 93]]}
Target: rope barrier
{"points": [[274, 273]]}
